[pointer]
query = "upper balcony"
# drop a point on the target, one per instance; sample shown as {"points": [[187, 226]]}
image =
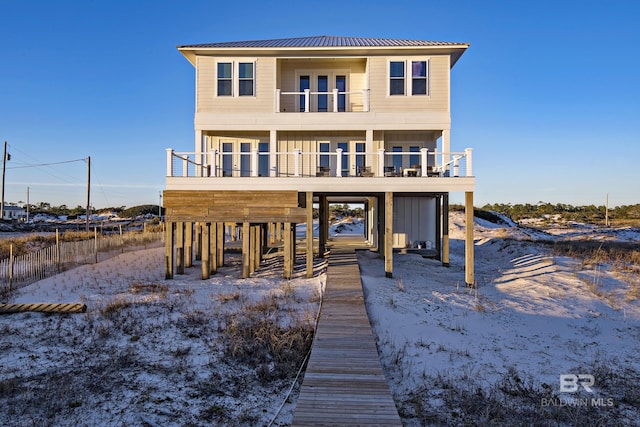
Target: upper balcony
{"points": [[335, 101], [427, 171]]}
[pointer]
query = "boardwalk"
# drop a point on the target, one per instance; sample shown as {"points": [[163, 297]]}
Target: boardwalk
{"points": [[344, 383]]}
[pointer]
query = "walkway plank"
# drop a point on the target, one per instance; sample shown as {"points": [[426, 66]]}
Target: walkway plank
{"points": [[344, 384]]}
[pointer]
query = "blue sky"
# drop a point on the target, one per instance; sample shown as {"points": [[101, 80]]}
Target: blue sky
{"points": [[548, 94]]}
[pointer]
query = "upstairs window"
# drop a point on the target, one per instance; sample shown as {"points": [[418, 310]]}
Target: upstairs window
{"points": [[225, 79], [245, 79], [396, 78], [409, 77], [418, 77], [236, 79]]}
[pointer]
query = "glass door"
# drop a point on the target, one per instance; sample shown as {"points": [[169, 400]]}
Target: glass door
{"points": [[341, 85], [304, 83], [245, 159]]}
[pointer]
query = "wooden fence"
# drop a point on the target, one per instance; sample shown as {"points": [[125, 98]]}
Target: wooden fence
{"points": [[19, 271]]}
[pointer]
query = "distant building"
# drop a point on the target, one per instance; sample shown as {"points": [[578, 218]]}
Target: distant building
{"points": [[14, 213]]}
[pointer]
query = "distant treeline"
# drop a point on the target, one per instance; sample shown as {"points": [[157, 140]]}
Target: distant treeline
{"points": [[590, 213], [64, 210]]}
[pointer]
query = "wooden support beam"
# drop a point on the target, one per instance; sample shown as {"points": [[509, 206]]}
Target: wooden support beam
{"points": [[180, 247], [198, 241], [252, 249], [272, 233], [309, 234], [323, 224], [288, 264], [43, 308], [246, 249], [445, 230], [212, 248], [168, 250], [438, 242], [388, 234], [220, 244], [468, 246], [188, 248], [206, 269]]}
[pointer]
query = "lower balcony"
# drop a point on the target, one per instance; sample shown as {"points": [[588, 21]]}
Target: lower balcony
{"points": [[423, 171]]}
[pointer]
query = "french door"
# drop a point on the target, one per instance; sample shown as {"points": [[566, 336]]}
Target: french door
{"points": [[321, 84]]}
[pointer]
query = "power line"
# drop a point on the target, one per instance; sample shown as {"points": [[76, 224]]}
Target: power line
{"points": [[48, 164]]}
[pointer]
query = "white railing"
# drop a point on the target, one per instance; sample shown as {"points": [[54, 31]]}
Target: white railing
{"points": [[382, 163], [308, 101]]}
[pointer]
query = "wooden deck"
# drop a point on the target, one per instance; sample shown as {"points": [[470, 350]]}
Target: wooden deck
{"points": [[344, 384]]}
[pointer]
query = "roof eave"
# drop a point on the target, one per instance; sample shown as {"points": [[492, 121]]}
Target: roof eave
{"points": [[191, 52]]}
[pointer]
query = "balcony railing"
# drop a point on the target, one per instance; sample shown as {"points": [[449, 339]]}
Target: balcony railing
{"points": [[333, 101], [216, 164]]}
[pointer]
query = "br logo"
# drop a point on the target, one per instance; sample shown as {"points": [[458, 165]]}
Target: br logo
{"points": [[570, 383]]}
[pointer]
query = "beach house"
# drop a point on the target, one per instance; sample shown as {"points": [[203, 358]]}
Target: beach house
{"points": [[284, 125]]}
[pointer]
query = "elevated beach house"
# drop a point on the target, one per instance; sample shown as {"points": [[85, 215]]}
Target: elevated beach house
{"points": [[284, 125]]}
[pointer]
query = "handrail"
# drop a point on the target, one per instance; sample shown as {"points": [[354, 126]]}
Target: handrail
{"points": [[335, 93], [299, 163]]}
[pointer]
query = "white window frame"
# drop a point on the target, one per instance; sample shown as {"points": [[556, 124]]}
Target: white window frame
{"points": [[235, 77], [408, 76]]}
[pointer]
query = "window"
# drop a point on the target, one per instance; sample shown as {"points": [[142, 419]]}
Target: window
{"points": [[396, 78], [225, 79], [418, 77], [409, 77], [236, 79], [245, 79]]}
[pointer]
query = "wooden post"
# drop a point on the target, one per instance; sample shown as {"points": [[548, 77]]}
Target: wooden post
{"points": [[58, 250], [10, 266], [168, 250], [95, 245], [246, 249], [323, 223], [438, 242], [212, 247], [272, 232], [468, 247], [257, 246], [445, 230], [278, 232], [309, 234], [388, 234], [188, 251], [288, 270], [252, 248], [205, 251], [198, 241], [220, 245], [180, 247]]}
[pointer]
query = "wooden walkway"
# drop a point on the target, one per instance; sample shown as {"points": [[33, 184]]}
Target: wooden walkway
{"points": [[344, 384]]}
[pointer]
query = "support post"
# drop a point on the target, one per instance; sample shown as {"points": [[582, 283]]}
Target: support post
{"points": [[188, 250], [205, 251], [309, 234], [220, 244], [445, 230], [168, 250], [468, 247], [388, 234], [288, 270], [212, 247], [246, 247], [180, 247], [198, 241]]}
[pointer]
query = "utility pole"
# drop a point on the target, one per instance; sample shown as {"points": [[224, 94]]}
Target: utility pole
{"points": [[6, 156], [88, 190], [606, 215], [27, 204]]}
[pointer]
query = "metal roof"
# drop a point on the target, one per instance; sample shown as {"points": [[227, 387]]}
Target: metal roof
{"points": [[323, 41]]}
